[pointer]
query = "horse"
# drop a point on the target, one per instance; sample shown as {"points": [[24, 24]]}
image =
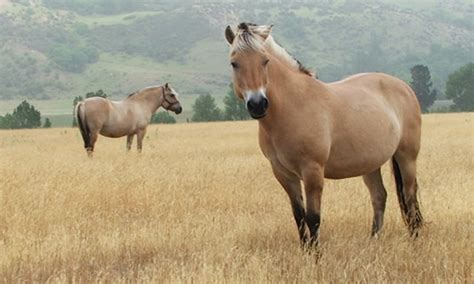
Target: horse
{"points": [[310, 130], [127, 117]]}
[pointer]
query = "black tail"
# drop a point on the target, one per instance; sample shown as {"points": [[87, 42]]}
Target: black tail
{"points": [[414, 220], [83, 127], [399, 184]]}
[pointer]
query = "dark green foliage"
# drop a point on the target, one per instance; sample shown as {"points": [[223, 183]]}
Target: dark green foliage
{"points": [[205, 109], [421, 84], [24, 116], [163, 117], [47, 123], [234, 108], [460, 88], [6, 121], [98, 93]]}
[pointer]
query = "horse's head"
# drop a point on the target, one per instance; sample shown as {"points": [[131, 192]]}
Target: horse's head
{"points": [[249, 61], [170, 99]]}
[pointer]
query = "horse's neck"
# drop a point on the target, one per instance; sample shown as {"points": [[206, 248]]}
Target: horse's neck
{"points": [[289, 92], [153, 101]]}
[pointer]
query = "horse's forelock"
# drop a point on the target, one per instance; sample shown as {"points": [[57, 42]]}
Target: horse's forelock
{"points": [[246, 39], [249, 36]]}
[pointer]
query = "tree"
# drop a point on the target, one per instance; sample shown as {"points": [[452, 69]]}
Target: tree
{"points": [[162, 117], [47, 123], [421, 84], [205, 109], [460, 88], [234, 108], [24, 116], [6, 122]]}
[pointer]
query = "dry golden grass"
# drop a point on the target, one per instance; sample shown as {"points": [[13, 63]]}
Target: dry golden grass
{"points": [[201, 204]]}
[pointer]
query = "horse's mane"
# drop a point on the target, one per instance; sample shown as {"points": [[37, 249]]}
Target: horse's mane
{"points": [[136, 93], [248, 37]]}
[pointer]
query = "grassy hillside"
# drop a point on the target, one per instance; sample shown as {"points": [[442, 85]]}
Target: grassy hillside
{"points": [[57, 49], [201, 205]]}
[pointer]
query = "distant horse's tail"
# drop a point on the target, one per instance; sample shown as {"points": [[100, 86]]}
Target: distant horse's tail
{"points": [[80, 115], [416, 220]]}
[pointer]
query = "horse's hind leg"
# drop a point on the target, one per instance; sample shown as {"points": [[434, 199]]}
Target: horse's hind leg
{"points": [[378, 194], [129, 141], [140, 135], [93, 138], [405, 168], [292, 186]]}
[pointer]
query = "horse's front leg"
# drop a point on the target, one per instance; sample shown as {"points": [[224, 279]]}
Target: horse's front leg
{"points": [[140, 135], [129, 141], [313, 178], [292, 185]]}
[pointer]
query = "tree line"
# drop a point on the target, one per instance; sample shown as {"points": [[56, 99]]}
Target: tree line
{"points": [[23, 116], [459, 88]]}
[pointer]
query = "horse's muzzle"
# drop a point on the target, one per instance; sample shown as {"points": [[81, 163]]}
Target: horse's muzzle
{"points": [[178, 110], [257, 106]]}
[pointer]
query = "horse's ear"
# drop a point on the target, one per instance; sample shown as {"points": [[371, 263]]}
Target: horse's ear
{"points": [[167, 86], [229, 35], [263, 31]]}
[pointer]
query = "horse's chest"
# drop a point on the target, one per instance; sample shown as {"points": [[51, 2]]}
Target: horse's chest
{"points": [[287, 153]]}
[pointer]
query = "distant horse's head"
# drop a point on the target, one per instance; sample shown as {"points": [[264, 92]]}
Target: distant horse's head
{"points": [[170, 99], [249, 61]]}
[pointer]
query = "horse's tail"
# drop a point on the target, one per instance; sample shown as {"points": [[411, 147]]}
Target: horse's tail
{"points": [[399, 184], [80, 115], [415, 221]]}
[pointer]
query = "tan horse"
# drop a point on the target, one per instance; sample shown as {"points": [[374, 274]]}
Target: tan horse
{"points": [[310, 130], [128, 117]]}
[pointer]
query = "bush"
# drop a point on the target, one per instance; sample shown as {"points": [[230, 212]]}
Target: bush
{"points": [[460, 88], [24, 116], [163, 117], [47, 123], [205, 109]]}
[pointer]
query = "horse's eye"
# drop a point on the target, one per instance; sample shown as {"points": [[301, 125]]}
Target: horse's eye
{"points": [[234, 65], [265, 62]]}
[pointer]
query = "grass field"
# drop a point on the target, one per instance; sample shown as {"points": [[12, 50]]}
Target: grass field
{"points": [[201, 205]]}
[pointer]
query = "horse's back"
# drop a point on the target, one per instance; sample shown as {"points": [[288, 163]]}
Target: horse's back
{"points": [[97, 110], [382, 91], [374, 114]]}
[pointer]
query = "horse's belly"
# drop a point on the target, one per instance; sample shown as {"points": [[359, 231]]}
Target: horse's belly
{"points": [[116, 131], [355, 165], [350, 159]]}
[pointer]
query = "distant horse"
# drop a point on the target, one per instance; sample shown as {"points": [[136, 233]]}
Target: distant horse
{"points": [[310, 130], [123, 118]]}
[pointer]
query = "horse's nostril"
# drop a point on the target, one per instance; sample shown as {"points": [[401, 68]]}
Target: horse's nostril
{"points": [[265, 103], [251, 104]]}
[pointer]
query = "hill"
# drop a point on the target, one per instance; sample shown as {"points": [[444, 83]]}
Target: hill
{"points": [[57, 49]]}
